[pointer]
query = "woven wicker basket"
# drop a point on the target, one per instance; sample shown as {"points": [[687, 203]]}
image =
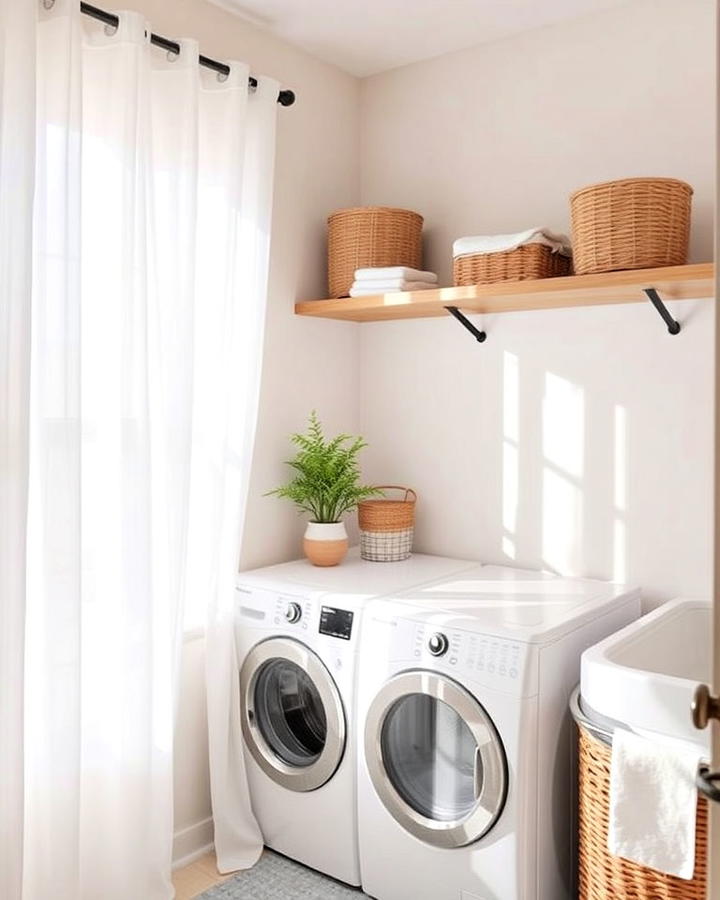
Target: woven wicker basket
{"points": [[636, 223], [387, 526], [602, 876], [371, 236], [521, 264]]}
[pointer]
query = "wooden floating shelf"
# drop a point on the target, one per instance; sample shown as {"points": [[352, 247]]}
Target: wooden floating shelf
{"points": [[693, 282]]}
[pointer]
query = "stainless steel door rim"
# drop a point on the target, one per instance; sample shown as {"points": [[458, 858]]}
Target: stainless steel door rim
{"points": [[294, 777], [489, 775]]}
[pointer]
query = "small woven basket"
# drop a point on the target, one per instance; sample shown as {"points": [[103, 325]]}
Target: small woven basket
{"points": [[520, 264], [636, 223], [387, 526], [370, 236], [602, 876]]}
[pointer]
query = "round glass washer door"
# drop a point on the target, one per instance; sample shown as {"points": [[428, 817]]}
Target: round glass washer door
{"points": [[435, 759], [292, 716]]}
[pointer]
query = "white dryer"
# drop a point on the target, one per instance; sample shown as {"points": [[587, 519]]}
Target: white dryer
{"points": [[465, 773], [297, 638]]}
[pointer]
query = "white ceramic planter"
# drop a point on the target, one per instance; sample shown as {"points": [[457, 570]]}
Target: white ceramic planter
{"points": [[325, 543]]}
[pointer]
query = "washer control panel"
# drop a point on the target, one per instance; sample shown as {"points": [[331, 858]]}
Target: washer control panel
{"points": [[288, 612], [493, 660]]}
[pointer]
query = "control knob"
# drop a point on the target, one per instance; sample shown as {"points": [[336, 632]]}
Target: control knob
{"points": [[293, 613], [438, 644]]}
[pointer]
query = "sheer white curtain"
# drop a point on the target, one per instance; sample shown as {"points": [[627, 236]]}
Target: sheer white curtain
{"points": [[149, 259], [17, 140]]}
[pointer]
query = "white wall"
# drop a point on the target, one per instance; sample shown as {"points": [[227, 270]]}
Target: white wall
{"points": [[489, 139], [575, 439], [306, 363], [495, 138], [578, 440]]}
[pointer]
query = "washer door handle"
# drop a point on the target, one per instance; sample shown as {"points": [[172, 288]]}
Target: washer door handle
{"points": [[478, 774]]}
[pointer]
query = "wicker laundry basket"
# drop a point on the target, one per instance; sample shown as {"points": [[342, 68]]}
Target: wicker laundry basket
{"points": [[387, 526], [520, 264], [635, 223], [601, 875], [371, 236]]}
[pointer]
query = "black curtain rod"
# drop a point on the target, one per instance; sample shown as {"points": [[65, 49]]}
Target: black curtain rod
{"points": [[285, 97]]}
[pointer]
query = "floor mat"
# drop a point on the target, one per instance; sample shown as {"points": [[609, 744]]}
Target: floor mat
{"points": [[276, 878]]}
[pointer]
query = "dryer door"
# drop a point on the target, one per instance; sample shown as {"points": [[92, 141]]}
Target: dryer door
{"points": [[292, 715], [435, 759]]}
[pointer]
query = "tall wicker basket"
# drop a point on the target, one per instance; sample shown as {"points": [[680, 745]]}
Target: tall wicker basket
{"points": [[635, 223], [603, 876], [370, 236], [387, 526]]}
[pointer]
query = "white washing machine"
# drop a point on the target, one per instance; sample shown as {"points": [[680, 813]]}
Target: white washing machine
{"points": [[297, 637], [466, 778]]}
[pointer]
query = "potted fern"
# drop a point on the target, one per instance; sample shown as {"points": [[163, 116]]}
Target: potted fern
{"points": [[325, 484]]}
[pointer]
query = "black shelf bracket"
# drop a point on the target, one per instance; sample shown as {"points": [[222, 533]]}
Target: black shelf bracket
{"points": [[672, 326], [479, 336]]}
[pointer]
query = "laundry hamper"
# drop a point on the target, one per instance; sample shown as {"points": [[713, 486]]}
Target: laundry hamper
{"points": [[602, 876], [369, 237], [523, 263], [635, 223], [387, 526]]}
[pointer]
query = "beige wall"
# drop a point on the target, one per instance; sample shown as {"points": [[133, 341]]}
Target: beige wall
{"points": [[575, 439], [306, 363]]}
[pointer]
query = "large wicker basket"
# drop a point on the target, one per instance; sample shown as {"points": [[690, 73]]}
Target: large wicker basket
{"points": [[371, 236], [602, 876], [636, 223], [387, 526], [520, 264]]}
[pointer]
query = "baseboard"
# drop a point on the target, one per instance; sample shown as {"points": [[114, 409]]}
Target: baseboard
{"points": [[192, 842]]}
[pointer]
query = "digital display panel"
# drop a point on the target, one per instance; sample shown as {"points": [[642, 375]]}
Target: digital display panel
{"points": [[336, 622]]}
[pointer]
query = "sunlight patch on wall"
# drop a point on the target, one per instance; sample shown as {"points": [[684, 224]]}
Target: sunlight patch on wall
{"points": [[563, 427], [510, 460], [563, 424], [620, 494]]}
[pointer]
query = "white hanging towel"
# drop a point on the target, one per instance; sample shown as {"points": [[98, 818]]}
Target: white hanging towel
{"points": [[497, 243], [390, 273], [653, 803], [368, 288]]}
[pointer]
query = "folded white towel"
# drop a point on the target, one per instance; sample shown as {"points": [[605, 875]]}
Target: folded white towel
{"points": [[393, 272], [389, 284], [368, 289], [653, 802], [497, 243]]}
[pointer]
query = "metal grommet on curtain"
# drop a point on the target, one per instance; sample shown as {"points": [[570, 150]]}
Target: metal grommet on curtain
{"points": [[48, 4], [222, 76], [172, 56], [109, 30]]}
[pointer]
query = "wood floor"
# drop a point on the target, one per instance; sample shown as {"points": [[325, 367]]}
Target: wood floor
{"points": [[199, 876]]}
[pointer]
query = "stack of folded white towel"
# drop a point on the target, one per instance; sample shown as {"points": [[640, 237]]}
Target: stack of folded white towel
{"points": [[497, 243], [390, 279]]}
